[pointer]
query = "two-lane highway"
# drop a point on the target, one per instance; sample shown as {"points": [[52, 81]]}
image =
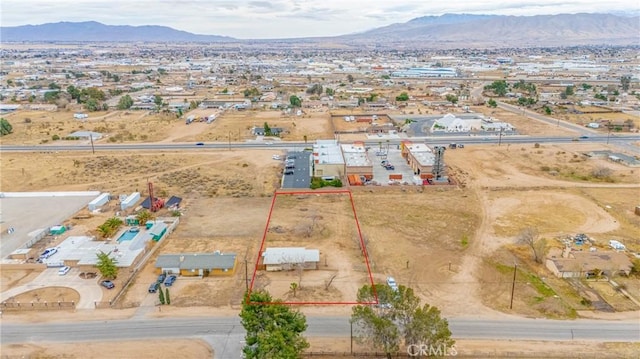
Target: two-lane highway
{"points": [[508, 329]]}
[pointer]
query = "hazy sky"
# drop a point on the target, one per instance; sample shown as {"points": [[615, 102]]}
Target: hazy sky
{"points": [[281, 18]]}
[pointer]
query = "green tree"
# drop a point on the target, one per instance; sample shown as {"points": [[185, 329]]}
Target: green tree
{"points": [[74, 92], [54, 86], [92, 105], [125, 102], [547, 110], [452, 98], [5, 127], [403, 97], [492, 103], [350, 78], [625, 81], [157, 99], [295, 101], [106, 265], [166, 296], [499, 88], [294, 288], [274, 330], [267, 129], [569, 90], [161, 296], [400, 318], [143, 216], [329, 91]]}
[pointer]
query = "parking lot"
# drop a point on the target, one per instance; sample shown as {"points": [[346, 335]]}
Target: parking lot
{"points": [[300, 175], [394, 157]]}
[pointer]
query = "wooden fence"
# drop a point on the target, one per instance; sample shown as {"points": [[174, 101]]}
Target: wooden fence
{"points": [[17, 306]]}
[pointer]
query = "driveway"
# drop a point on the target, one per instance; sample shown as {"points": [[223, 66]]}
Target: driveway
{"points": [[89, 289]]}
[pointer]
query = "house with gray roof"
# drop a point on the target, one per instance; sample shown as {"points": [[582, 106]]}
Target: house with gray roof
{"points": [[197, 264]]}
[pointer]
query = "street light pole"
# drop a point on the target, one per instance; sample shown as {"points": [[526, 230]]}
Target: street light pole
{"points": [[513, 284]]}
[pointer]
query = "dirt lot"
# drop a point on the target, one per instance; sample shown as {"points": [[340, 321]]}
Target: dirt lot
{"points": [[497, 349], [184, 348]]}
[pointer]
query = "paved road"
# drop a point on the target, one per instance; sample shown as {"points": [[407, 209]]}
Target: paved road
{"points": [[545, 119], [228, 329]]}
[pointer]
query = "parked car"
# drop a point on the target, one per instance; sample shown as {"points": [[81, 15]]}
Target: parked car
{"points": [[162, 277], [169, 281], [276, 157], [460, 145], [107, 284], [154, 287], [391, 282], [64, 270], [48, 253]]}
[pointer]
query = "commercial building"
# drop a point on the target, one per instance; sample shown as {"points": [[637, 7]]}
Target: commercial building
{"points": [[356, 160], [419, 157], [327, 159]]}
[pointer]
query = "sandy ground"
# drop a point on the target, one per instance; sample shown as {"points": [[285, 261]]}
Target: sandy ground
{"points": [[152, 348]]}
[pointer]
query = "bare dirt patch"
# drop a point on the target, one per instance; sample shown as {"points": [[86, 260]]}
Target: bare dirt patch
{"points": [[165, 348], [49, 295], [10, 278]]}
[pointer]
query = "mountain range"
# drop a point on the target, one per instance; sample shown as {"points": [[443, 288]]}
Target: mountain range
{"points": [[449, 30]]}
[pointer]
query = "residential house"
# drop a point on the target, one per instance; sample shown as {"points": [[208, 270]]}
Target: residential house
{"points": [[197, 264], [575, 264]]}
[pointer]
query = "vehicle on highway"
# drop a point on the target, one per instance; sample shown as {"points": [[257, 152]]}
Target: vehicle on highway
{"points": [[154, 287], [169, 281], [268, 143], [200, 144], [64, 270], [584, 137], [391, 282], [290, 166], [107, 284], [48, 253], [288, 172], [162, 277]]}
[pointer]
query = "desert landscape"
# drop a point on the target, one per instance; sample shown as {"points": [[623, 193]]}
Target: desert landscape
{"points": [[460, 244]]}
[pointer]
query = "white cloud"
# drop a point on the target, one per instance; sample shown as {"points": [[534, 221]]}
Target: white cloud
{"points": [[279, 18]]}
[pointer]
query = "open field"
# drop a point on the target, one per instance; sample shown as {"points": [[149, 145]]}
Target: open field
{"points": [[156, 348], [325, 222], [433, 239]]}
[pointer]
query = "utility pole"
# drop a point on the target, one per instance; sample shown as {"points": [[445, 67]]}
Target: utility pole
{"points": [[513, 284], [351, 328], [246, 274], [608, 134], [229, 141], [500, 137], [93, 150]]}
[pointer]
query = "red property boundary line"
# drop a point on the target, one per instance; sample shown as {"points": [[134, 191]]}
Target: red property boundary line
{"points": [[362, 246]]}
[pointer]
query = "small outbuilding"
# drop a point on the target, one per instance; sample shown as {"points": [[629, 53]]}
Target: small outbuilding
{"points": [[289, 258]]}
